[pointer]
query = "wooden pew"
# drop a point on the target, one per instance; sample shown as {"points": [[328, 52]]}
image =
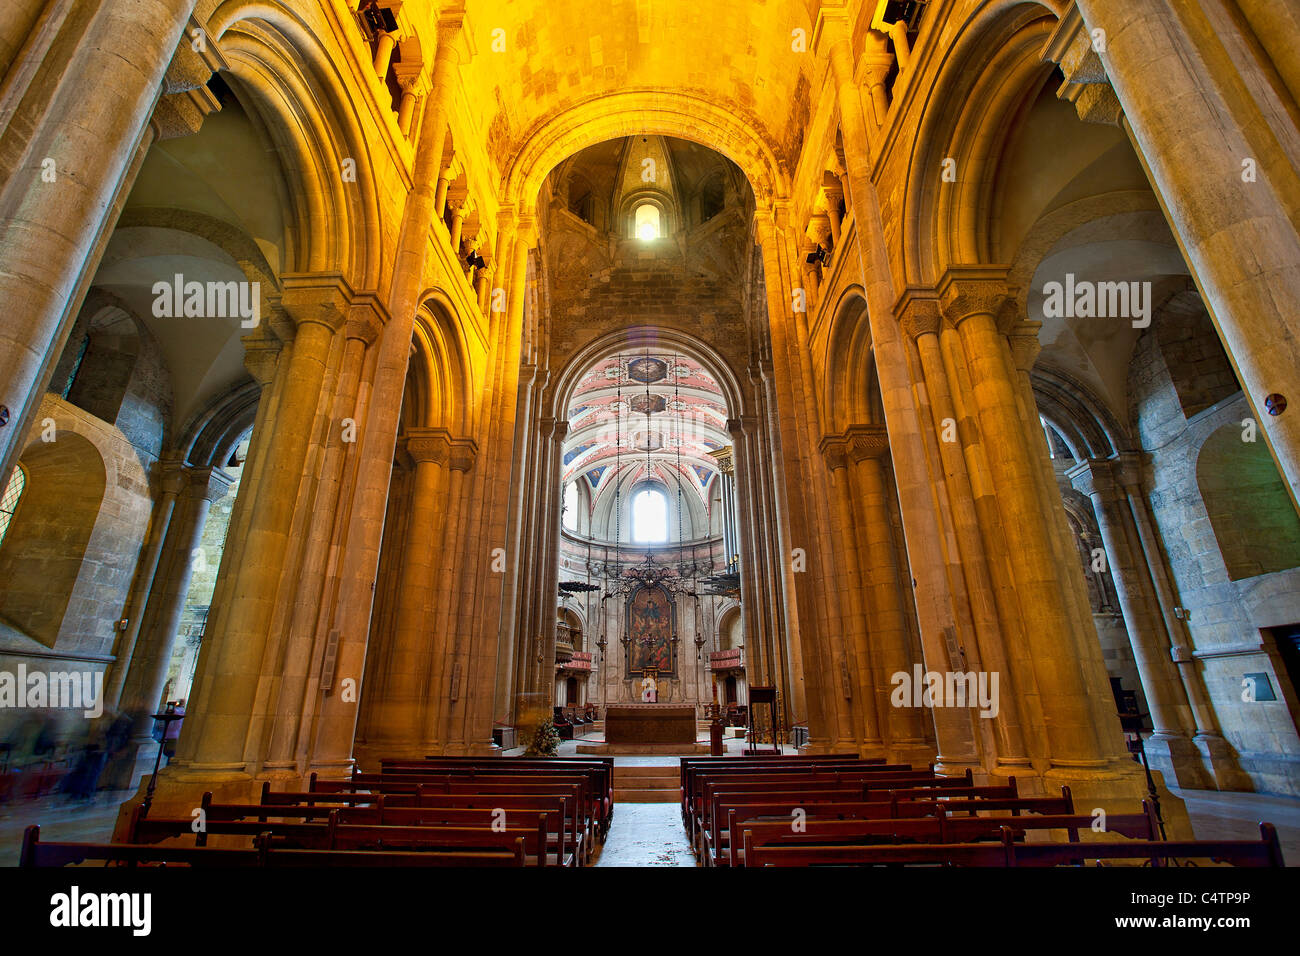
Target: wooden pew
{"points": [[744, 807], [913, 787], [38, 854], [334, 834], [564, 806], [937, 829], [1266, 852], [601, 770], [695, 796], [557, 831]]}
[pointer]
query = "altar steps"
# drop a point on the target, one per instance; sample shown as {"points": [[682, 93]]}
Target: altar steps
{"points": [[647, 784]]}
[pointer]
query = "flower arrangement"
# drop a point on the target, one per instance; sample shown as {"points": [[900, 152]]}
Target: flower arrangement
{"points": [[546, 740]]}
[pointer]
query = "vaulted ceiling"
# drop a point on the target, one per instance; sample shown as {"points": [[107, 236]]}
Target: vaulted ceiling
{"points": [[645, 416], [739, 55]]}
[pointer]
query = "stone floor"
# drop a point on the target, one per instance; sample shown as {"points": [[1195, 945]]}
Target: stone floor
{"points": [[651, 834], [646, 834]]}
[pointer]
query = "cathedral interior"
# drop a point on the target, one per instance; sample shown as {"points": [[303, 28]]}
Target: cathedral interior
{"points": [[404, 379]]}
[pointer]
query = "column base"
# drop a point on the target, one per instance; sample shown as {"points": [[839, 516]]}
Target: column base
{"points": [[1179, 762], [131, 765], [1222, 763], [1118, 787], [918, 753]]}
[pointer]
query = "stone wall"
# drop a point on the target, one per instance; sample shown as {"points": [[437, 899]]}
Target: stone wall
{"points": [[1228, 619]]}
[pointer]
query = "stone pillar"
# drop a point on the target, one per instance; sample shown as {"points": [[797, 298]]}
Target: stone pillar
{"points": [[851, 583], [405, 693], [970, 302], [1215, 752], [903, 728], [384, 53], [921, 320], [147, 676], [1201, 132], [457, 224], [935, 614], [171, 483], [1170, 747], [65, 156], [338, 715], [230, 742]]}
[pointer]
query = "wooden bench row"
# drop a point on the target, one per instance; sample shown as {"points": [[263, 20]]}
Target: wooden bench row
{"points": [[1009, 852]]}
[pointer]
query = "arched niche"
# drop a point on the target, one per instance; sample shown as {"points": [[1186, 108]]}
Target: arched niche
{"points": [[1255, 524], [46, 546]]}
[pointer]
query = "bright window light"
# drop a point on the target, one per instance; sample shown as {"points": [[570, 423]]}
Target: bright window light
{"points": [[647, 221], [649, 517]]}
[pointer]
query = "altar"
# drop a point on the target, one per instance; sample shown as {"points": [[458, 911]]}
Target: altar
{"points": [[650, 724]]}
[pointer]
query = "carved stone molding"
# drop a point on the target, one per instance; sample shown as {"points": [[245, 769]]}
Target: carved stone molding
{"points": [[919, 312], [965, 291], [1073, 48], [856, 443], [323, 298], [366, 318], [439, 446]]}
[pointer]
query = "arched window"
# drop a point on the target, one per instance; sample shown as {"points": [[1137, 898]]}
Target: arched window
{"points": [[649, 517], [571, 506], [9, 500], [647, 221]]}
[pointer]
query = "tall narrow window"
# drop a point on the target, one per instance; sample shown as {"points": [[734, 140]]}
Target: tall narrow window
{"points": [[9, 500], [649, 517], [647, 221], [571, 506]]}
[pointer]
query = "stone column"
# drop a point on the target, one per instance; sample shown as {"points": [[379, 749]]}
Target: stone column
{"points": [[384, 53], [1215, 157], [851, 583], [171, 483], [903, 728], [65, 155], [970, 302], [922, 535], [405, 691], [338, 715], [921, 320], [147, 676], [1169, 748], [318, 305], [1215, 752]]}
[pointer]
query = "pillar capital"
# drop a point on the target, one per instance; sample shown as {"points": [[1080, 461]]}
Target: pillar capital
{"points": [[1025, 346], [967, 291], [262, 354], [171, 470], [438, 446], [862, 442], [210, 483], [919, 312], [366, 318], [1095, 478], [835, 449], [723, 456], [320, 298]]}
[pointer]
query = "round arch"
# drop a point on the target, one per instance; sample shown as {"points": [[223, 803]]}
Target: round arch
{"points": [[641, 338], [284, 77], [850, 376], [638, 112], [993, 67]]}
